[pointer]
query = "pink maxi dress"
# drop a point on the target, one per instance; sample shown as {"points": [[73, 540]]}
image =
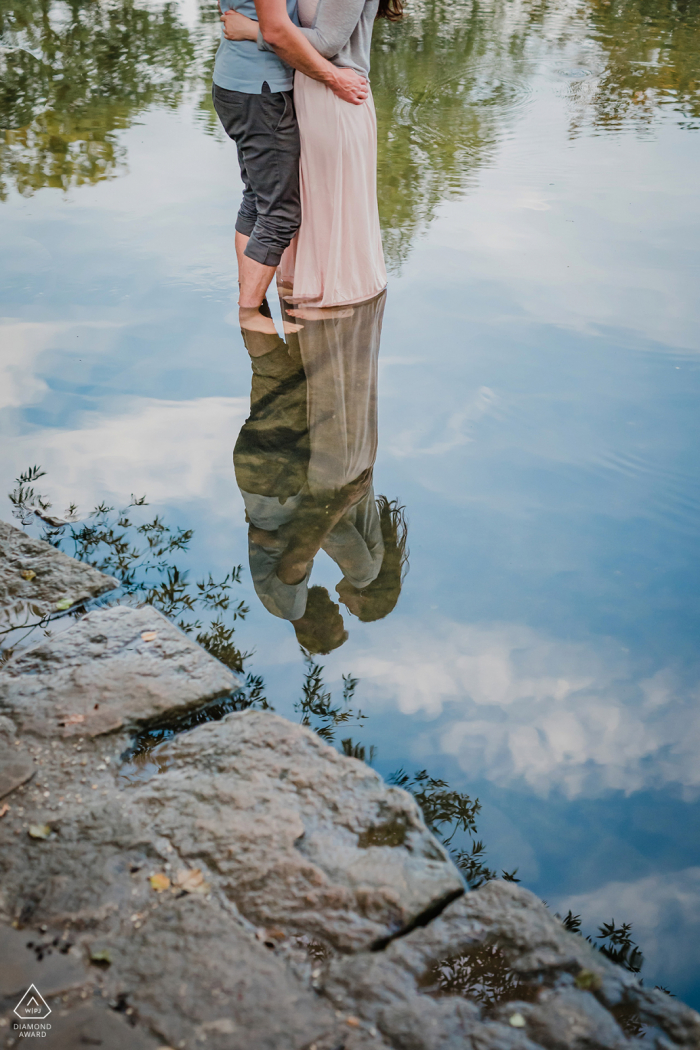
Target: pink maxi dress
{"points": [[336, 258]]}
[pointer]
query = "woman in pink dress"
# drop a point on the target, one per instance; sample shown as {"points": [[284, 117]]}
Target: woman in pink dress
{"points": [[336, 258]]}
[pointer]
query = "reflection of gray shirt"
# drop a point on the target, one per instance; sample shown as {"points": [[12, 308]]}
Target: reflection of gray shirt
{"points": [[341, 32], [356, 544]]}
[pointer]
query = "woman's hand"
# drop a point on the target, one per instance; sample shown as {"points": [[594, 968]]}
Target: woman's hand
{"points": [[238, 26]]}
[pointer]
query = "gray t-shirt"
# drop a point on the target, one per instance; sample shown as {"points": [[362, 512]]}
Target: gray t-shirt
{"points": [[341, 32]]}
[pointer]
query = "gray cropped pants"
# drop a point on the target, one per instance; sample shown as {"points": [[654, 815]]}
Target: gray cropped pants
{"points": [[265, 130]]}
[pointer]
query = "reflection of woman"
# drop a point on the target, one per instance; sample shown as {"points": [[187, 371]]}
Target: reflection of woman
{"points": [[304, 461], [339, 353], [337, 256]]}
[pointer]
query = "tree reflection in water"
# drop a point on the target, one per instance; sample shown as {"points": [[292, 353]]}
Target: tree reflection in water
{"points": [[652, 61], [79, 72], [448, 82]]}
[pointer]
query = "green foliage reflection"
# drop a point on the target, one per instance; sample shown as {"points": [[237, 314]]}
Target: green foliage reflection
{"points": [[652, 48], [448, 83], [78, 72]]}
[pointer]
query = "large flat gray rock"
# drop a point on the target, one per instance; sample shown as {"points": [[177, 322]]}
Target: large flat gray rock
{"points": [[53, 576], [300, 836], [322, 916], [186, 968], [498, 969], [265, 957], [116, 668]]}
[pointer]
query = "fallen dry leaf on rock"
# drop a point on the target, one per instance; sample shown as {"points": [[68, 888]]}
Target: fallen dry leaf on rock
{"points": [[148, 636], [270, 935], [5, 809], [27, 574], [159, 881], [39, 831], [73, 720], [192, 881]]}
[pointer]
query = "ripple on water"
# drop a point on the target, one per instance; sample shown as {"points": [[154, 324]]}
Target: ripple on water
{"points": [[576, 73], [478, 86], [673, 499]]}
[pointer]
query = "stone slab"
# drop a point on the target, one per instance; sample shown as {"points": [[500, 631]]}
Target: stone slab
{"points": [[194, 972], [309, 859], [102, 675], [98, 1026], [300, 837], [57, 577], [14, 770], [498, 969], [27, 958], [186, 967]]}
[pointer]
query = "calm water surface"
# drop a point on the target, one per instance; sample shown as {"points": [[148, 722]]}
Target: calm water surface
{"points": [[537, 396]]}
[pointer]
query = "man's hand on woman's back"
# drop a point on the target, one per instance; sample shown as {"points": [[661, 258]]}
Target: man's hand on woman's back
{"points": [[349, 85]]}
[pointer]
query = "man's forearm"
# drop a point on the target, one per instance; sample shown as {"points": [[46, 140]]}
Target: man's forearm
{"points": [[287, 41], [294, 49]]}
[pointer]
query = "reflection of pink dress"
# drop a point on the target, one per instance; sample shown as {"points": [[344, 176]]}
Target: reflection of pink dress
{"points": [[337, 256]]}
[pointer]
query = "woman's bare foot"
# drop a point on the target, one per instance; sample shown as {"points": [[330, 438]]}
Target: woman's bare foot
{"points": [[285, 291], [320, 313], [289, 326]]}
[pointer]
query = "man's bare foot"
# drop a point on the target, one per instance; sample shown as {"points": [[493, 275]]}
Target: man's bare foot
{"points": [[251, 320]]}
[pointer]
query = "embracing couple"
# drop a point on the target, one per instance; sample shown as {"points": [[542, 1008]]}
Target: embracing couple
{"points": [[307, 148]]}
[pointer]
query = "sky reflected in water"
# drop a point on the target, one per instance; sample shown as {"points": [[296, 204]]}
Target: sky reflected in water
{"points": [[537, 396]]}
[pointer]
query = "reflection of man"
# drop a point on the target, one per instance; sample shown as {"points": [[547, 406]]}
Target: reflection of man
{"points": [[286, 526], [252, 95]]}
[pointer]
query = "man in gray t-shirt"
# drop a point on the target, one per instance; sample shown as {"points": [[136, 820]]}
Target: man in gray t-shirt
{"points": [[252, 94]]}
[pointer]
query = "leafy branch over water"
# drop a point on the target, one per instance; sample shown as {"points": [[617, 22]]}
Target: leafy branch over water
{"points": [[316, 704], [447, 812], [140, 556]]}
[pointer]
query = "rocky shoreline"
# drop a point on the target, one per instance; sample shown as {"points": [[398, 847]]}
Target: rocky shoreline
{"points": [[262, 891]]}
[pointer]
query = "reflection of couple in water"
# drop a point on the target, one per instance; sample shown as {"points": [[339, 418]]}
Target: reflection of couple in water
{"points": [[304, 461], [307, 148]]}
